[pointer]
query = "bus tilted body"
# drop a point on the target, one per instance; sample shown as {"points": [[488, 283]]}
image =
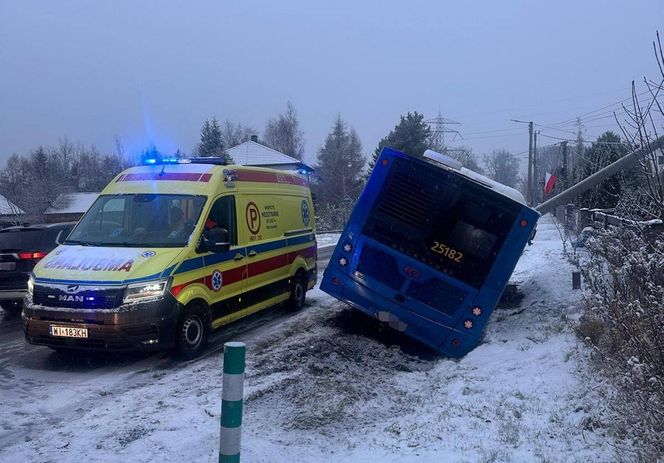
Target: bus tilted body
{"points": [[428, 249]]}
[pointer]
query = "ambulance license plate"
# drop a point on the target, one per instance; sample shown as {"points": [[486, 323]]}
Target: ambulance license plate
{"points": [[68, 332]]}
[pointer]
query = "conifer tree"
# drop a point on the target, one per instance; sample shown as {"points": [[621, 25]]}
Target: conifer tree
{"points": [[410, 136], [211, 143], [340, 165]]}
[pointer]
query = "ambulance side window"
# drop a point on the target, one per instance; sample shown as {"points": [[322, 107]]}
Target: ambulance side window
{"points": [[222, 215]]}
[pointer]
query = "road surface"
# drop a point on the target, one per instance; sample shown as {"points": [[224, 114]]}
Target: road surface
{"points": [[27, 371]]}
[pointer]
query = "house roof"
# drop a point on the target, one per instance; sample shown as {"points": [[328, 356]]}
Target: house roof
{"points": [[72, 203], [251, 153], [9, 208]]}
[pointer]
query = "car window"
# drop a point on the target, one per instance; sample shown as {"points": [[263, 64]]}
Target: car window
{"points": [[222, 214], [27, 239]]}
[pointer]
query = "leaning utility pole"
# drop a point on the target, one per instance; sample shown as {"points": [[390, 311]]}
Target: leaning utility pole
{"points": [[530, 163], [626, 162]]}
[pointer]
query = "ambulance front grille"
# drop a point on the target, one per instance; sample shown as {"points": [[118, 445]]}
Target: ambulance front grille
{"points": [[87, 299]]}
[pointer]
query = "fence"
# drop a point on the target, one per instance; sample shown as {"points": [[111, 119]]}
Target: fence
{"points": [[576, 219]]}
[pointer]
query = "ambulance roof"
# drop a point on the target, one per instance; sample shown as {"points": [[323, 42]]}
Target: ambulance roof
{"points": [[195, 178]]}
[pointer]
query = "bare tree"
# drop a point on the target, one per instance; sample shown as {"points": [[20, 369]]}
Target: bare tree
{"points": [[503, 167], [232, 134], [640, 128], [466, 157], [284, 134]]}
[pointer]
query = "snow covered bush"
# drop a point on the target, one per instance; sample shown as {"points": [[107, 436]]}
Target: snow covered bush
{"points": [[333, 217], [624, 322]]}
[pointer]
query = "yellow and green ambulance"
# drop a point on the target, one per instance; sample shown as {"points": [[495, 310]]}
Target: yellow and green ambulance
{"points": [[171, 250]]}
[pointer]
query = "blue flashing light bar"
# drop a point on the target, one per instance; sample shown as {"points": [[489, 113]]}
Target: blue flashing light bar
{"points": [[171, 160], [154, 161]]}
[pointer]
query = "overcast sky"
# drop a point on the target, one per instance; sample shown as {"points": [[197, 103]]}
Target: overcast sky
{"points": [[153, 71]]}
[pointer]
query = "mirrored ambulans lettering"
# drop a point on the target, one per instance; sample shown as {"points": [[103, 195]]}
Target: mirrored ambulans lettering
{"points": [[95, 265]]}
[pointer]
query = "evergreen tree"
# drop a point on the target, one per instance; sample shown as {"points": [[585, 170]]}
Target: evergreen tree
{"points": [[212, 143], [340, 165], [607, 149], [411, 136]]}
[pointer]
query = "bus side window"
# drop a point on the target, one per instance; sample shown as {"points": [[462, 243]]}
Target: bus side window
{"points": [[222, 214]]}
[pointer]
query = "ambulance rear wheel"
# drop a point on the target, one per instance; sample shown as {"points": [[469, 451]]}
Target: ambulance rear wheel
{"points": [[298, 292], [192, 332]]}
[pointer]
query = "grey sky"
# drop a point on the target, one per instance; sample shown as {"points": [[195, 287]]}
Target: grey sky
{"points": [[154, 70]]}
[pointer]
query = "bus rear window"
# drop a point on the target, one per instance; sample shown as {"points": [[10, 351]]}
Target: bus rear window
{"points": [[441, 219]]}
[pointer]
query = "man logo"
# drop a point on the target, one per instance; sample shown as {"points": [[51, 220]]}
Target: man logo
{"points": [[69, 298], [72, 289]]}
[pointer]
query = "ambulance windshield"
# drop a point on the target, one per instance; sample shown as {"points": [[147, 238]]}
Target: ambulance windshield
{"points": [[139, 220]]}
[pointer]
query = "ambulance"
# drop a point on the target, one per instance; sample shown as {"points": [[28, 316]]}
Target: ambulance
{"points": [[171, 250]]}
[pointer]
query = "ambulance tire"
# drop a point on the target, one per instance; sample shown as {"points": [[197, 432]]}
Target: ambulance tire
{"points": [[192, 332], [298, 292]]}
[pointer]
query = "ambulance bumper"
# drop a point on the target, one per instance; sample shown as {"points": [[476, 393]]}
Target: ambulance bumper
{"points": [[147, 326]]}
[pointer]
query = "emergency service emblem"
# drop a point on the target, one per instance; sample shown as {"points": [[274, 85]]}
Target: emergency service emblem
{"points": [[305, 213], [216, 280]]}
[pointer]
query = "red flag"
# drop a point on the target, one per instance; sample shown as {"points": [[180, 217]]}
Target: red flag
{"points": [[549, 182]]}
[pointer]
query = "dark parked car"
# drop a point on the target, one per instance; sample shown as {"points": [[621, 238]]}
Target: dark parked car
{"points": [[20, 249]]}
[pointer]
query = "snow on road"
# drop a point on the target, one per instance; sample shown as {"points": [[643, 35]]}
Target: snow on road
{"points": [[318, 389], [327, 239]]}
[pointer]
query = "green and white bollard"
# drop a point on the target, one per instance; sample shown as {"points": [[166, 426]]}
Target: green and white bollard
{"points": [[232, 395]]}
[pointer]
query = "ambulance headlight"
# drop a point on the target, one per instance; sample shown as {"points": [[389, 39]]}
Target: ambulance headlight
{"points": [[31, 285], [141, 292]]}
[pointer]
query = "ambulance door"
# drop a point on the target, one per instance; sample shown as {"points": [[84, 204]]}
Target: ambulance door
{"points": [[267, 248], [227, 270]]}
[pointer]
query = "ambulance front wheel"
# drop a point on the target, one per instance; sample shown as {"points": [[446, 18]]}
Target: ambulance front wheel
{"points": [[298, 291], [192, 332]]}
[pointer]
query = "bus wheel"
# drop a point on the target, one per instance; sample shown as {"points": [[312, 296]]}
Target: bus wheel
{"points": [[192, 332], [298, 292]]}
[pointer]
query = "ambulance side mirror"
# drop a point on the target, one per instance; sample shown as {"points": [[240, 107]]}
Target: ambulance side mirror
{"points": [[216, 240]]}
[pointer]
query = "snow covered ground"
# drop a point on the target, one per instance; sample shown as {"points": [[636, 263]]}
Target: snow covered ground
{"points": [[319, 390], [327, 239]]}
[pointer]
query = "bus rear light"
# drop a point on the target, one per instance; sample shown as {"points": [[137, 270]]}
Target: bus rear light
{"points": [[456, 342], [343, 261], [411, 272], [477, 311], [523, 223], [468, 324], [336, 281]]}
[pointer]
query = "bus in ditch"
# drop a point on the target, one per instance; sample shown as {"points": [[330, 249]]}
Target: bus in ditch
{"points": [[429, 249]]}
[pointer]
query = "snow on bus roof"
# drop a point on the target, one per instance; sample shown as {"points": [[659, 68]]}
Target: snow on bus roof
{"points": [[495, 186], [455, 166]]}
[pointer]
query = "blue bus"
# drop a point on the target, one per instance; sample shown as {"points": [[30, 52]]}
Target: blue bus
{"points": [[429, 249]]}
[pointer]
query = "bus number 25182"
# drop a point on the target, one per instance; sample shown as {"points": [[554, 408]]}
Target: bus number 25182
{"points": [[446, 251]]}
